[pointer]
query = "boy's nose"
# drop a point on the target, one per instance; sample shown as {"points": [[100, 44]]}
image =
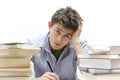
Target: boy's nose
{"points": [[59, 39]]}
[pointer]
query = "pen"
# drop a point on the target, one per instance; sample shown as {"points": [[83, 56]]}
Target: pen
{"points": [[49, 66]]}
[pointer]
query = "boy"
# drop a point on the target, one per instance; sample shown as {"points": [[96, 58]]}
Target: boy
{"points": [[59, 47]]}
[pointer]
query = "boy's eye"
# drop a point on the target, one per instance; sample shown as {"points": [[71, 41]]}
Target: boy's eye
{"points": [[57, 31], [68, 36]]}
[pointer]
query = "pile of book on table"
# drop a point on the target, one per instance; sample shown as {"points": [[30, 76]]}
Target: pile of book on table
{"points": [[15, 61], [101, 60]]}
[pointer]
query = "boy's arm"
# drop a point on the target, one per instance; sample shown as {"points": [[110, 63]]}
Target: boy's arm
{"points": [[79, 49], [80, 46]]}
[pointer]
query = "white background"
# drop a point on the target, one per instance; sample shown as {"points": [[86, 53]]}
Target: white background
{"points": [[23, 19]]}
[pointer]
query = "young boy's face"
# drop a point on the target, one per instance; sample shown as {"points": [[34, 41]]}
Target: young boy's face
{"points": [[59, 36]]}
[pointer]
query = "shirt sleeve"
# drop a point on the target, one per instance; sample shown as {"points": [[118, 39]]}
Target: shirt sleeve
{"points": [[84, 45]]}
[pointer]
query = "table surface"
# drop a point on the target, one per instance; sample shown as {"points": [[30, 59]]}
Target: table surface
{"points": [[88, 76], [108, 77]]}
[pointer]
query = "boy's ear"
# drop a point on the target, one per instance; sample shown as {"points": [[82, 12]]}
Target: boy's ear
{"points": [[49, 25]]}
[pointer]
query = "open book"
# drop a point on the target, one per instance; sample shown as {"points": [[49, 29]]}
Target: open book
{"points": [[18, 48]]}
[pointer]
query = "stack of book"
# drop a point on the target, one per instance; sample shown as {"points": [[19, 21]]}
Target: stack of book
{"points": [[105, 60], [15, 61]]}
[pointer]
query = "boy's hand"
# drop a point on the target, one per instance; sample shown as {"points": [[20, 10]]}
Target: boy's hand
{"points": [[76, 35], [48, 76], [76, 41]]}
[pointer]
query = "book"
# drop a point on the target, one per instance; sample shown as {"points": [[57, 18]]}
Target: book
{"points": [[20, 51], [87, 76], [83, 69], [101, 56], [18, 48], [107, 76], [16, 72], [106, 63], [12, 44], [98, 49], [115, 49], [15, 78], [15, 56], [14, 62], [103, 71], [15, 69]]}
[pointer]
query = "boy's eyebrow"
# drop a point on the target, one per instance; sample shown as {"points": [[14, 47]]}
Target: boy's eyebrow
{"points": [[59, 29], [66, 34]]}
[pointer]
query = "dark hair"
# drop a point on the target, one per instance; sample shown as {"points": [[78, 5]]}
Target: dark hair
{"points": [[67, 17]]}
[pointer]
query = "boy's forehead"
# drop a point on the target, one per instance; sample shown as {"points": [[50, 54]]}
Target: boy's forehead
{"points": [[63, 29]]}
